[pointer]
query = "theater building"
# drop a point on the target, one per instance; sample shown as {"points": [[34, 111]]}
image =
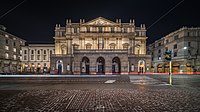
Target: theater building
{"points": [[100, 46]]}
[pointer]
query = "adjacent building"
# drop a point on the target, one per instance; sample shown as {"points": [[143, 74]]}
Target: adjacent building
{"points": [[10, 51], [185, 45], [36, 58], [100, 46]]}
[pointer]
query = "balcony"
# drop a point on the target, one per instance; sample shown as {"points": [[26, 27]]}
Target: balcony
{"points": [[101, 51]]}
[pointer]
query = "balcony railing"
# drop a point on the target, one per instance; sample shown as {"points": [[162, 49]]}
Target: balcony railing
{"points": [[101, 51]]}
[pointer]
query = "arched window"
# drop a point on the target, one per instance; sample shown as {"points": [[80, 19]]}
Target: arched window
{"points": [[125, 46], [88, 46], [112, 46]]}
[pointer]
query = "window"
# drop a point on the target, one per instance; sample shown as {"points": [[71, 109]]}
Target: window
{"points": [[38, 52], [167, 41], [166, 48], [32, 57], [14, 43], [188, 34], [189, 44], [6, 35], [175, 46], [159, 51], [38, 57], [176, 37], [14, 50], [32, 51], [112, 29], [6, 56], [7, 42], [88, 46], [6, 47], [159, 57], [15, 57], [50, 51], [25, 51], [25, 57], [175, 54], [20, 51], [45, 57], [100, 30], [159, 44], [45, 52]]}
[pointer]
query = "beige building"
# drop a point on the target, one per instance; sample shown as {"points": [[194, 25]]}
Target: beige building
{"points": [[100, 46], [10, 48], [185, 45], [36, 57]]}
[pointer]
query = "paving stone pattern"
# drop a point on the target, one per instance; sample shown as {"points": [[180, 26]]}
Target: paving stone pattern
{"points": [[139, 99]]}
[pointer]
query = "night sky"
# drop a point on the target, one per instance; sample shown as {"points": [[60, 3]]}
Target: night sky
{"points": [[34, 20]]}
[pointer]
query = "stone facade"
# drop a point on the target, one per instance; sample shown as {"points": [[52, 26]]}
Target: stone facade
{"points": [[185, 45], [36, 57], [100, 46], [10, 51]]}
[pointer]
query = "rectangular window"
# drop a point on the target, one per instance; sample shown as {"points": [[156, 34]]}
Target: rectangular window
{"points": [[6, 56], [38, 57], [175, 54], [25, 51], [32, 57], [38, 51], [166, 48], [32, 51], [25, 57], [189, 44], [159, 44], [14, 43], [45, 57], [7, 41], [176, 37], [15, 57], [14, 50], [188, 34], [175, 46], [6, 47], [45, 52], [167, 41], [159, 51]]}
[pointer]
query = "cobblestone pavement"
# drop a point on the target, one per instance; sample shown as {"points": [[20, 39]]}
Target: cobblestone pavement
{"points": [[99, 97]]}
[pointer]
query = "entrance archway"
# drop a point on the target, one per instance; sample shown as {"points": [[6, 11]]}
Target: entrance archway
{"points": [[175, 67], [85, 65], [166, 67], [141, 66], [100, 65], [59, 66], [159, 68], [116, 65], [189, 68]]}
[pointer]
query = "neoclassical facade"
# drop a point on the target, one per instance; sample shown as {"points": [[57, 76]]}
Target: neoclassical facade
{"points": [[10, 51], [36, 58], [185, 45], [100, 46]]}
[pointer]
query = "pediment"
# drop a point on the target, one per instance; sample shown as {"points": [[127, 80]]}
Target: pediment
{"points": [[100, 21]]}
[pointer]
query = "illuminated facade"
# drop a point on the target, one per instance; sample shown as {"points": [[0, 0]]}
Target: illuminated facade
{"points": [[36, 58], [10, 51], [100, 46], [185, 45]]}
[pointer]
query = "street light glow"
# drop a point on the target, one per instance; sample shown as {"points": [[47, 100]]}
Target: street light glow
{"points": [[185, 48]]}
